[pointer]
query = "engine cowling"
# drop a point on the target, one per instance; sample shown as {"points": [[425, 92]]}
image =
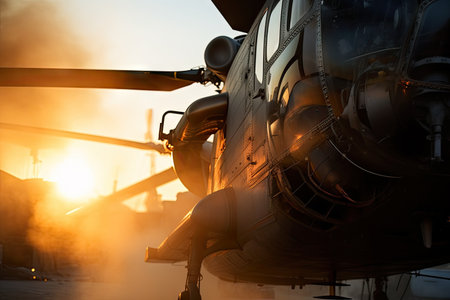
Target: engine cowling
{"points": [[191, 150], [220, 54]]}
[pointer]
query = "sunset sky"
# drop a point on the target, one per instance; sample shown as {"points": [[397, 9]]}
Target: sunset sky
{"points": [[119, 34]]}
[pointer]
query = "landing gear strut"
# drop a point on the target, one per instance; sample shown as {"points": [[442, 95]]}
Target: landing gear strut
{"points": [[196, 255], [380, 289]]}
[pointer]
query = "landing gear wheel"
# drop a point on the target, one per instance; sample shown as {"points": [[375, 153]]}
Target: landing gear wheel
{"points": [[184, 295], [190, 295]]}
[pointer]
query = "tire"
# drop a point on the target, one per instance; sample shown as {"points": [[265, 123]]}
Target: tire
{"points": [[184, 295]]}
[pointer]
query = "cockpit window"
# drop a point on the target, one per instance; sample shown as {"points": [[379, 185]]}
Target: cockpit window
{"points": [[356, 32], [259, 63], [434, 30], [297, 9], [273, 34]]}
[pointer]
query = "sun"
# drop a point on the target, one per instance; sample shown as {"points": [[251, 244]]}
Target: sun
{"points": [[74, 179]]}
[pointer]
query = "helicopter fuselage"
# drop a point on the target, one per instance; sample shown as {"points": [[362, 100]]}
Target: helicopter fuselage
{"points": [[321, 145]]}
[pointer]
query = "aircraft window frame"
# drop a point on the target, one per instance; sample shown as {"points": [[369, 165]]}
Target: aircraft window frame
{"points": [[259, 50], [274, 30], [302, 7]]}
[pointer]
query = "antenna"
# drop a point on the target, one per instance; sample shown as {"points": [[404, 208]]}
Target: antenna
{"points": [[153, 199], [34, 153], [149, 138]]}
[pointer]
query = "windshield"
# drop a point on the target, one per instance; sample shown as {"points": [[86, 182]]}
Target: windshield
{"points": [[431, 63], [358, 32]]}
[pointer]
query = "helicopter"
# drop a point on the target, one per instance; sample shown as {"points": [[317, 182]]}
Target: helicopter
{"points": [[330, 151]]}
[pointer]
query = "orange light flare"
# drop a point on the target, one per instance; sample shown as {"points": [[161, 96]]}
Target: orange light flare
{"points": [[405, 85], [298, 136], [74, 179]]}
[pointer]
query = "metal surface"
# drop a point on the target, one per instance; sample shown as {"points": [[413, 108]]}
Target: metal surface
{"points": [[340, 181]]}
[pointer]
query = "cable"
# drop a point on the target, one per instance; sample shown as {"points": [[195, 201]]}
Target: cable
{"points": [[358, 166]]}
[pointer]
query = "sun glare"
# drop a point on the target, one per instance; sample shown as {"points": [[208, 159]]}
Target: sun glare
{"points": [[74, 180]]}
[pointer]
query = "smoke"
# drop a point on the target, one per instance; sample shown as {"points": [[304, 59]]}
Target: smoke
{"points": [[34, 34], [105, 247], [101, 251]]}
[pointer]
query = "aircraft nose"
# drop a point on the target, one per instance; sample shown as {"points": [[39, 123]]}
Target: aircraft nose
{"points": [[413, 115]]}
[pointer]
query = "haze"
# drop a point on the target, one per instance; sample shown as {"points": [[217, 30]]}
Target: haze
{"points": [[140, 35]]}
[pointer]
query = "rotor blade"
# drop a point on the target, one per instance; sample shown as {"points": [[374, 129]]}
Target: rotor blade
{"points": [[109, 79], [145, 185], [87, 137]]}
